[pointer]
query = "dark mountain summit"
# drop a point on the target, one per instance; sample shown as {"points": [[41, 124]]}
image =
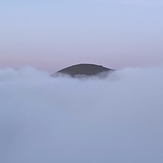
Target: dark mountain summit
{"points": [[84, 70]]}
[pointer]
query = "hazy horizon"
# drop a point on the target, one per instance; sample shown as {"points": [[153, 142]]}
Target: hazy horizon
{"points": [[45, 119]]}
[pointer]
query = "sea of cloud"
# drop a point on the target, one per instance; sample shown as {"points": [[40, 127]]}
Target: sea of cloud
{"points": [[65, 120]]}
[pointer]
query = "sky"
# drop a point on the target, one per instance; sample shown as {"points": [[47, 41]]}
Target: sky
{"points": [[53, 34], [66, 120]]}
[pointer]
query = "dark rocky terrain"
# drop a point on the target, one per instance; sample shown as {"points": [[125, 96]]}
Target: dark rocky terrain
{"points": [[84, 70]]}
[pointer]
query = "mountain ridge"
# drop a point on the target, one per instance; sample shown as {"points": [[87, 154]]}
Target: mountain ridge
{"points": [[83, 69]]}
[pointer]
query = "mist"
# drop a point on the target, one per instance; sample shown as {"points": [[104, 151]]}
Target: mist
{"points": [[67, 120]]}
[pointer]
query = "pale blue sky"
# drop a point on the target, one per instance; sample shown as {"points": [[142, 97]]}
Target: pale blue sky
{"points": [[54, 34]]}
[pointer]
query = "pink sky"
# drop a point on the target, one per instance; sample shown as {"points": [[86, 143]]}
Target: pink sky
{"points": [[52, 35]]}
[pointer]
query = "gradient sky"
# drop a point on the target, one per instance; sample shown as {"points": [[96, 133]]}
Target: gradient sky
{"points": [[53, 34]]}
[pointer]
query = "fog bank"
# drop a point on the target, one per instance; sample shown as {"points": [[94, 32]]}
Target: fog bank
{"points": [[65, 120]]}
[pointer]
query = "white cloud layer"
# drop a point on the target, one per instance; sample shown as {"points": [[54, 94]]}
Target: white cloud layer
{"points": [[63, 120]]}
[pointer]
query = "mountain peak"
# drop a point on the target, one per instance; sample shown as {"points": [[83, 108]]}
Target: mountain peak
{"points": [[83, 69]]}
